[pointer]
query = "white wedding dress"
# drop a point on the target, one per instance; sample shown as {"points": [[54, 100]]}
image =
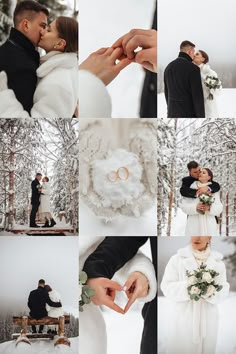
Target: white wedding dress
{"points": [[199, 224], [211, 106], [93, 339], [193, 325]]}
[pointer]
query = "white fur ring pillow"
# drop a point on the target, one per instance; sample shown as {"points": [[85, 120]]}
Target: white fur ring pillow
{"points": [[117, 179]]}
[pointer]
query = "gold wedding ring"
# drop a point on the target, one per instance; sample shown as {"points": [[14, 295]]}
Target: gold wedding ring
{"points": [[122, 173]]}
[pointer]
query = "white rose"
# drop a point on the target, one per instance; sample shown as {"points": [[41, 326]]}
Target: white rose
{"points": [[195, 290], [192, 280], [207, 277], [211, 290]]}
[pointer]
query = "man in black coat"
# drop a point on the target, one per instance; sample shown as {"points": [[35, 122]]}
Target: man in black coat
{"points": [[35, 187], [18, 57], [148, 107], [37, 301], [194, 171], [101, 265], [183, 86]]}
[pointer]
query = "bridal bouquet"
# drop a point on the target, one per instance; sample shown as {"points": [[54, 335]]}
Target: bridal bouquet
{"points": [[202, 283], [212, 83], [206, 199], [85, 291]]}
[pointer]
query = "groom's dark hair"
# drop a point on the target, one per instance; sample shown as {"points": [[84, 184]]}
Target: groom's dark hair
{"points": [[41, 282], [192, 164], [186, 44], [28, 9], [38, 174]]}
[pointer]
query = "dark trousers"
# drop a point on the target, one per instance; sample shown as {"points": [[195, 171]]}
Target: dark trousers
{"points": [[34, 328], [33, 213]]}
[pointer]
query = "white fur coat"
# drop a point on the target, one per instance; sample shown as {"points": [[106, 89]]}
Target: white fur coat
{"points": [[91, 319], [94, 100], [193, 324], [44, 206], [199, 224], [56, 94], [54, 311]]}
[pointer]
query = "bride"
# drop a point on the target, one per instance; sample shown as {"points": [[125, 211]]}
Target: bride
{"points": [[194, 325], [56, 93], [44, 207], [201, 59], [202, 217], [91, 319]]}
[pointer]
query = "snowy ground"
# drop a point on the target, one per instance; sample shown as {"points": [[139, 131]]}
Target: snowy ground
{"points": [[39, 347], [226, 340], [90, 224], [100, 26], [226, 104]]}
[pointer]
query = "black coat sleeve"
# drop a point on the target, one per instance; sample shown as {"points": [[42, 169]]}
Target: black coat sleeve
{"points": [[30, 301], [111, 255], [185, 189], [215, 187], [197, 93], [50, 302], [165, 88]]}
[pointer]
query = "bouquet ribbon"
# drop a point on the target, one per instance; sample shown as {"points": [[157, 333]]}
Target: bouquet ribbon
{"points": [[199, 321]]}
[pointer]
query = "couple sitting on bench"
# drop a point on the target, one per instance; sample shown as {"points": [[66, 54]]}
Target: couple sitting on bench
{"points": [[44, 302]]}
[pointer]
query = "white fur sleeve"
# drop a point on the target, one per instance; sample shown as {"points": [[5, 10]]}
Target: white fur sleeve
{"points": [[10, 107], [171, 286], [217, 207], [224, 292], [139, 263], [189, 205]]}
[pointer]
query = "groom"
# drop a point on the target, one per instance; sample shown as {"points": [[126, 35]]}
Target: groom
{"points": [[194, 171], [36, 190], [183, 86], [37, 301], [18, 56], [101, 265]]}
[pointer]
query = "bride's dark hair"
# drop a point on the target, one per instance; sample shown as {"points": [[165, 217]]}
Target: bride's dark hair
{"points": [[67, 28], [48, 288], [209, 173], [205, 56]]}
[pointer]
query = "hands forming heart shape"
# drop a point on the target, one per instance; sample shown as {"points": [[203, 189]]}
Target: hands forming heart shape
{"points": [[135, 287]]}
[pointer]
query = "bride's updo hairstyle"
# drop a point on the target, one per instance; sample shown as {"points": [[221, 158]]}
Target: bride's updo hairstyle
{"points": [[67, 28], [210, 174], [205, 56], [48, 288]]}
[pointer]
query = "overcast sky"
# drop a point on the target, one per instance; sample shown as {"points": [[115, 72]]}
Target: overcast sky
{"points": [[24, 260], [209, 24]]}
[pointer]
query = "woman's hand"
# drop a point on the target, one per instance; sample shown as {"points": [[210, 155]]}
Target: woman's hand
{"points": [[102, 63], [136, 286]]}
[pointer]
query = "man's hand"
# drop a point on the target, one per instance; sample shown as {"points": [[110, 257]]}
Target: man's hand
{"points": [[135, 287], [105, 291], [147, 40], [102, 63], [202, 190]]}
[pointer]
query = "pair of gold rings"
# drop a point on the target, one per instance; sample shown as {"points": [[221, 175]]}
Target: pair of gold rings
{"points": [[122, 173]]}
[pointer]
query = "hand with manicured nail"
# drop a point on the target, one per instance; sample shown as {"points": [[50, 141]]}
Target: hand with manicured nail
{"points": [[136, 286], [105, 292]]}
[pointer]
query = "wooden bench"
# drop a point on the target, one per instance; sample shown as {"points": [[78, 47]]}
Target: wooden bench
{"points": [[26, 321]]}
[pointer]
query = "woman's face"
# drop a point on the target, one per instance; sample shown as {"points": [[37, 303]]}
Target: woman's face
{"points": [[204, 176], [198, 58], [200, 242], [50, 40]]}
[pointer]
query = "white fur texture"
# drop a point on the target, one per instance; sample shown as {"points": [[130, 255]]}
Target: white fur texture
{"points": [[122, 191]]}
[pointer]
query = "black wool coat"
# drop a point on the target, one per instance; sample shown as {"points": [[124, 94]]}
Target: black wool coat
{"points": [[37, 303], [188, 192], [109, 257], [20, 60], [183, 89], [35, 193]]}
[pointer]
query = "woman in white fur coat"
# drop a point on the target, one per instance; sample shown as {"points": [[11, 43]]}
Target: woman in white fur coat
{"points": [[201, 219], [194, 324], [56, 94], [91, 319], [54, 295], [201, 59], [44, 206]]}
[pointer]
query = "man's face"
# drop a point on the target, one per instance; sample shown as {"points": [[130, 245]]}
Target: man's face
{"points": [[191, 52], [39, 178], [194, 172], [36, 28]]}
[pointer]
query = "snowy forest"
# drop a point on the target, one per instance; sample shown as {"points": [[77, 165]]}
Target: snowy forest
{"points": [[28, 146], [210, 142], [57, 8]]}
